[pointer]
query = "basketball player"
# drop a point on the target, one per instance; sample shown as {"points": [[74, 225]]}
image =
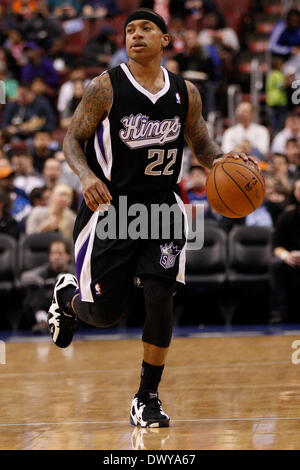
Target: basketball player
{"points": [[127, 138]]}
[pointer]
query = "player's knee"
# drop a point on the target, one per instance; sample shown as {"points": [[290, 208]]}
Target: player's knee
{"points": [[158, 292], [105, 316], [159, 311]]}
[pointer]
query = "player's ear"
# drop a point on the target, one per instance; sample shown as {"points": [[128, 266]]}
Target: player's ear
{"points": [[165, 40]]}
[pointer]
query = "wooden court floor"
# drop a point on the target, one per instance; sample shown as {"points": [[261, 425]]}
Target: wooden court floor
{"points": [[221, 393]]}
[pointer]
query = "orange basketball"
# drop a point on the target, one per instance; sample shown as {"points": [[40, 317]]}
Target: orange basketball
{"points": [[235, 188]]}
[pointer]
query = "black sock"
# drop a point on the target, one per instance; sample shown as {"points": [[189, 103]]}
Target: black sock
{"points": [[65, 297], [150, 377]]}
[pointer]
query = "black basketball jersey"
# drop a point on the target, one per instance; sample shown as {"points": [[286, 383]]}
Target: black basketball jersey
{"points": [[139, 146]]}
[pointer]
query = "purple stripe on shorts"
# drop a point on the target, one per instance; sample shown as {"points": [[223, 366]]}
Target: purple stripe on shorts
{"points": [[80, 259], [100, 140]]}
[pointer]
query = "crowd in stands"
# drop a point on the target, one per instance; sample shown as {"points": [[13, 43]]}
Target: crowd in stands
{"points": [[44, 82]]}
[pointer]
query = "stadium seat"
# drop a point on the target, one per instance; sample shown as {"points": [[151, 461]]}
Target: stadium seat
{"points": [[248, 267], [8, 251], [249, 254], [205, 278], [34, 248], [208, 265]]}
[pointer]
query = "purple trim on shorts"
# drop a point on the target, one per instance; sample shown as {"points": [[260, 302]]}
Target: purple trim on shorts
{"points": [[80, 260], [100, 140]]}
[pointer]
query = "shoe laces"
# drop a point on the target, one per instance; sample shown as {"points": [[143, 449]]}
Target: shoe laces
{"points": [[150, 399]]}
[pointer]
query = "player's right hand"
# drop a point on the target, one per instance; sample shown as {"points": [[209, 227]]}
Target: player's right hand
{"points": [[291, 259], [95, 192]]}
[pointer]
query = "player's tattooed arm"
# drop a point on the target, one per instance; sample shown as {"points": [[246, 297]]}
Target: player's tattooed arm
{"points": [[93, 108], [196, 133]]}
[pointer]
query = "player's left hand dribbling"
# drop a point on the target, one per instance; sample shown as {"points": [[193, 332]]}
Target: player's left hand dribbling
{"points": [[238, 155]]}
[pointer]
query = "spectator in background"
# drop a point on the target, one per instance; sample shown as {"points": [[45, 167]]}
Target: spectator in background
{"points": [[40, 197], [56, 217], [8, 225], [177, 31], [66, 91], [61, 59], [222, 44], [119, 56], [285, 37], [27, 115], [40, 88], [196, 59], [99, 8], [15, 44], [280, 171], [20, 203], [173, 66], [26, 178], [275, 197], [276, 95], [99, 50], [291, 130], [67, 114], [292, 151], [9, 65], [11, 85], [39, 26], [183, 8], [24, 7], [68, 176], [42, 150], [246, 147], [38, 65], [261, 217], [216, 33], [64, 9], [52, 172], [39, 282], [285, 269], [193, 190], [246, 129]]}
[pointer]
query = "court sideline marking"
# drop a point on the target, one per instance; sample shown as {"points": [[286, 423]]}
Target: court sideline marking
{"points": [[199, 420]]}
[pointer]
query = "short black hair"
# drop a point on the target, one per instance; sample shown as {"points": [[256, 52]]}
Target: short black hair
{"points": [[281, 155], [291, 140], [66, 244]]}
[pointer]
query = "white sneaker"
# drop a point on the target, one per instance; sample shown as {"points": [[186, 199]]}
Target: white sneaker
{"points": [[146, 411], [62, 323]]}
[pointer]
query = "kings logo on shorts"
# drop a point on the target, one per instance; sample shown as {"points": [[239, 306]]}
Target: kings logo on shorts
{"points": [[168, 255]]}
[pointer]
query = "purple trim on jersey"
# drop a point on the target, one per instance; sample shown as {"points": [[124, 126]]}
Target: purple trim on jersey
{"points": [[100, 140], [80, 260]]}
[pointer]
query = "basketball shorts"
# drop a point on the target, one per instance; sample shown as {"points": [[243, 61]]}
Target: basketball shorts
{"points": [[138, 235]]}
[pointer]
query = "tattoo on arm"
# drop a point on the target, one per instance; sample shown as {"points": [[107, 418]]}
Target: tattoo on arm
{"points": [[196, 133], [93, 108]]}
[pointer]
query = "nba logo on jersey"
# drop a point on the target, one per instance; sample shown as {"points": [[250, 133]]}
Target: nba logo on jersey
{"points": [[98, 289], [178, 99], [168, 255]]}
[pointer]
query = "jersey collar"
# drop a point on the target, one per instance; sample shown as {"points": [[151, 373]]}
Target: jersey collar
{"points": [[152, 97]]}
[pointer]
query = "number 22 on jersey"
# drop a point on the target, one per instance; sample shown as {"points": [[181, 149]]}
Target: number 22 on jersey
{"points": [[159, 155]]}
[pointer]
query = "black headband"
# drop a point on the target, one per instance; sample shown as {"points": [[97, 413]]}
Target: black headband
{"points": [[146, 14]]}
